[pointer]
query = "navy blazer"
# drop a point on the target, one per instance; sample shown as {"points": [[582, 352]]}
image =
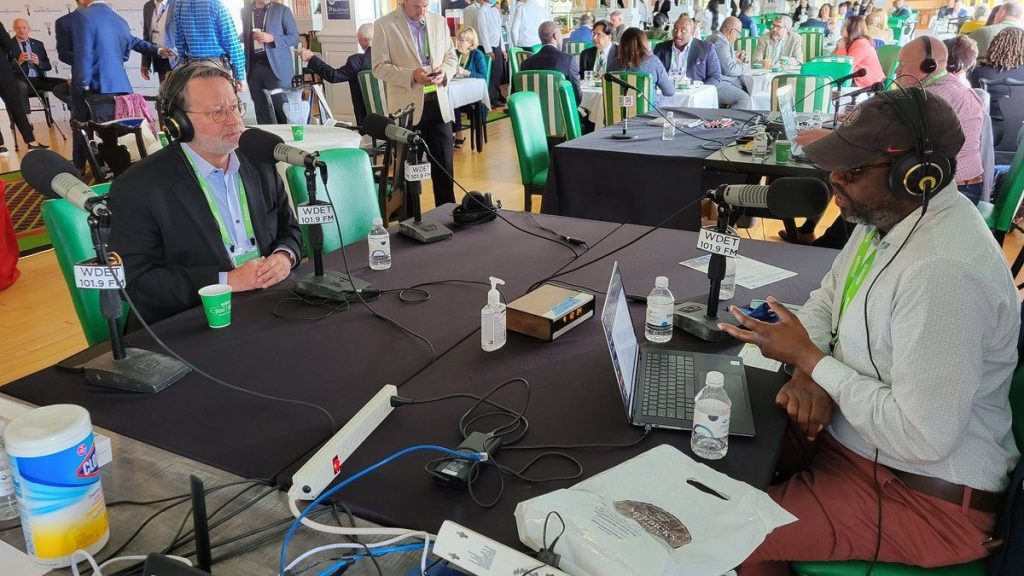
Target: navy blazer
{"points": [[62, 30], [588, 58], [701, 61], [102, 41], [551, 58], [281, 24], [355, 64], [39, 50]]}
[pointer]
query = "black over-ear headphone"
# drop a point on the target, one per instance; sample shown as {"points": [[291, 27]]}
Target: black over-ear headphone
{"points": [[476, 208], [928, 65], [953, 64], [918, 172], [177, 124]]}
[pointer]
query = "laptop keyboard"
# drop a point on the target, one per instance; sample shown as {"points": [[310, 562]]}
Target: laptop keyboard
{"points": [[670, 386]]}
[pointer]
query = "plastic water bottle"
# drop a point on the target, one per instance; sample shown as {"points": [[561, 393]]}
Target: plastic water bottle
{"points": [[816, 121], [380, 246], [728, 288], [760, 144], [710, 437], [668, 131], [660, 307], [8, 503]]}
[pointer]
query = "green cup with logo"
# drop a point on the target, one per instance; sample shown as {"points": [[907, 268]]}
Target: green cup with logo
{"points": [[217, 304], [298, 132], [164, 141], [783, 150]]}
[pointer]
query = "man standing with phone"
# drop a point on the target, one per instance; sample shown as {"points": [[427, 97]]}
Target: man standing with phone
{"points": [[413, 54], [268, 33]]}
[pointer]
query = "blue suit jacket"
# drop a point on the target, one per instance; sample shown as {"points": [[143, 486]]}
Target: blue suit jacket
{"points": [[102, 41], [701, 61], [280, 23]]}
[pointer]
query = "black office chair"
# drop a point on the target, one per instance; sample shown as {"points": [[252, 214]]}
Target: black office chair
{"points": [[107, 157], [1011, 108]]}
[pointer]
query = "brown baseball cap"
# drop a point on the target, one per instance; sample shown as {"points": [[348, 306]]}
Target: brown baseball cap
{"points": [[875, 127]]}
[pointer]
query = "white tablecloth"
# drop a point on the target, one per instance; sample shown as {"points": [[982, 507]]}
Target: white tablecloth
{"points": [[705, 96], [315, 138], [463, 91]]}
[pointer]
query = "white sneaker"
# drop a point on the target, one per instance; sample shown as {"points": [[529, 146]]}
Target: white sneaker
{"points": [[4, 152]]}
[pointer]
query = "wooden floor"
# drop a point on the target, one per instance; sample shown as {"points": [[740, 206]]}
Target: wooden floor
{"points": [[38, 323]]}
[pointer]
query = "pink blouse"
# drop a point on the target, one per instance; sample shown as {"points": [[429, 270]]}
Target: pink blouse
{"points": [[864, 56]]}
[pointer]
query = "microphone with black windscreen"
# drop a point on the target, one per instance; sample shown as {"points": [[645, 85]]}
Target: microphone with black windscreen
{"points": [[384, 128], [788, 197], [876, 87], [264, 147], [119, 367]]}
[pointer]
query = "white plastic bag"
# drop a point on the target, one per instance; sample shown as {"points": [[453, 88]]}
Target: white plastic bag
{"points": [[647, 516]]}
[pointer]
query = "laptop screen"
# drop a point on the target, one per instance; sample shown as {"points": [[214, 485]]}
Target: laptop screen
{"points": [[788, 113], [618, 332]]}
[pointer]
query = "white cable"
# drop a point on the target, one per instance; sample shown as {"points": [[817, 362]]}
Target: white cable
{"points": [[97, 570], [326, 547]]}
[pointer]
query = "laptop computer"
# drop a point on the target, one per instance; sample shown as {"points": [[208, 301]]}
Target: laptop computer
{"points": [[789, 122], [658, 384]]}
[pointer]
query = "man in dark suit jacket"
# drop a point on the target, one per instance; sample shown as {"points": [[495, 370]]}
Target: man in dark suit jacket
{"points": [[268, 53], [35, 63], [355, 64], [589, 58], [551, 57], [687, 54], [153, 13], [198, 213]]}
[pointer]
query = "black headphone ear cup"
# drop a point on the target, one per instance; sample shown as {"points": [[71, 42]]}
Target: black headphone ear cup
{"points": [[475, 208], [928, 65], [911, 178]]}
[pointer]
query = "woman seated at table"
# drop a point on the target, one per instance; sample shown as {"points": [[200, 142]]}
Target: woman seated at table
{"points": [[635, 56], [803, 8], [878, 26], [857, 44], [472, 64], [1004, 60], [659, 31], [823, 22]]}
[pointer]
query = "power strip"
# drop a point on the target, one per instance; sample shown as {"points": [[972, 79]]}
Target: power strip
{"points": [[325, 465], [481, 556]]}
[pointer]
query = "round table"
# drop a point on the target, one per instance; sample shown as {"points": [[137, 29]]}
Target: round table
{"points": [[705, 96]]}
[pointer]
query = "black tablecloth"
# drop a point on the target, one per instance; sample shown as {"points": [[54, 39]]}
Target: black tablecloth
{"points": [[640, 181], [338, 363], [573, 395]]}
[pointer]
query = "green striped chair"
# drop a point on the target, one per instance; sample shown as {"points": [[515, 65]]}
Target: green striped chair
{"points": [[570, 112], [814, 40], [612, 92], [575, 48], [745, 45], [810, 93], [374, 93], [515, 58], [531, 144], [831, 69], [897, 25], [833, 58], [354, 197], [889, 58], [546, 84]]}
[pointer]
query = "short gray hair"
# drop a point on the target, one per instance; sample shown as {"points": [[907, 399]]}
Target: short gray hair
{"points": [[615, 13], [586, 19], [548, 31], [366, 31], [1011, 9], [784, 20]]}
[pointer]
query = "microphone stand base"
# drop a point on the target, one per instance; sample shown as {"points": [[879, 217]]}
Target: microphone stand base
{"points": [[334, 286], [692, 317], [139, 371], [425, 232], [627, 136]]}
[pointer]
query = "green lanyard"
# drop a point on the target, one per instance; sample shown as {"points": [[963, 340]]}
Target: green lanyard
{"points": [[859, 269], [934, 78], [253, 252]]}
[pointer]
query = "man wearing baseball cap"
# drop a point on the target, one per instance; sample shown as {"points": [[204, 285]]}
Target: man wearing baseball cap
{"points": [[901, 360]]}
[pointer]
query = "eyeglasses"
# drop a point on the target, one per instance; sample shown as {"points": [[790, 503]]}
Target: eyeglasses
{"points": [[853, 174], [219, 115], [736, 30]]}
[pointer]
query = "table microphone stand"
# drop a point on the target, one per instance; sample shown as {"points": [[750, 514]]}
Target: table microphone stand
{"points": [[624, 135], [329, 285], [702, 320], [131, 369], [415, 227]]}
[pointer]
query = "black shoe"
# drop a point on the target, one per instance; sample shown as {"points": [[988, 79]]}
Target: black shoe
{"points": [[37, 146]]}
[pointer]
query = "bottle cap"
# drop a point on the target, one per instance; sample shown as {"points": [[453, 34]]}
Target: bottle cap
{"points": [[378, 222], [715, 378], [493, 296], [661, 282]]}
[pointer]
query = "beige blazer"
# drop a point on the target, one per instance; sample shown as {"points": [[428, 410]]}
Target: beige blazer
{"points": [[395, 57], [792, 47]]}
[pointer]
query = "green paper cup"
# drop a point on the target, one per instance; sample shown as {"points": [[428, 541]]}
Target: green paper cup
{"points": [[217, 304], [757, 66], [782, 151], [298, 132]]}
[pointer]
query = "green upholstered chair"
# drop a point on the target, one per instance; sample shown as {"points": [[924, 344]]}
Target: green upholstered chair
{"points": [[545, 84], [535, 48], [834, 58], [570, 112], [830, 69], [374, 93], [612, 92], [351, 190], [1007, 199], [515, 58], [531, 143], [897, 25], [575, 48], [976, 568], [72, 242], [810, 93], [889, 58], [745, 45], [814, 40]]}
